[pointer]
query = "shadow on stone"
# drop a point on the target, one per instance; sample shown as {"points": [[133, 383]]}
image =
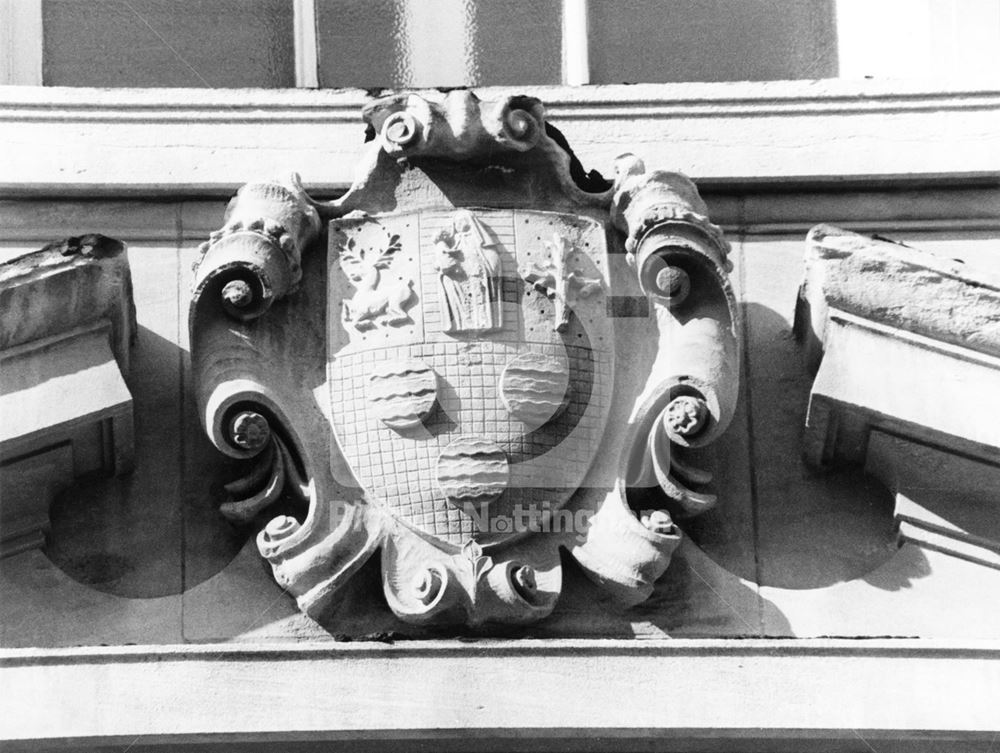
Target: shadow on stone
{"points": [[130, 536], [814, 529]]}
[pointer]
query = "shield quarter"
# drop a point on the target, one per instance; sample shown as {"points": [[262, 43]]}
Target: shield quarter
{"points": [[470, 363]]}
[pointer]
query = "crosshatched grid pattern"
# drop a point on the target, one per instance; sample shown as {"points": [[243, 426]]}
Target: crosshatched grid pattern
{"points": [[547, 464], [399, 469]]}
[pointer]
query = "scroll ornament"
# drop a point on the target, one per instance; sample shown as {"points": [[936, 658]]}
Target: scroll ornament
{"points": [[491, 356], [680, 259]]}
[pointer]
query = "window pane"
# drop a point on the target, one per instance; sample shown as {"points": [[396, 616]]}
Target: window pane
{"points": [[216, 43], [518, 42], [658, 41], [356, 43], [903, 39], [415, 43]]}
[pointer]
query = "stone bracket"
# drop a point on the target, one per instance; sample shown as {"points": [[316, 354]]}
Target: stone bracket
{"points": [[67, 322], [906, 350]]}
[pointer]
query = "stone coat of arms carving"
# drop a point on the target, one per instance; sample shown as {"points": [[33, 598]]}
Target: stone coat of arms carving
{"points": [[469, 362]]}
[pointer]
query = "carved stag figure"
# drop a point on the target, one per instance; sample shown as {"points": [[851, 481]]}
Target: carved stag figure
{"points": [[376, 302]]}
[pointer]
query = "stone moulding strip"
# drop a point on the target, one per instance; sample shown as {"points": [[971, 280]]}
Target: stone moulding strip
{"points": [[978, 549], [793, 210], [889, 648], [603, 101], [196, 141], [818, 689]]}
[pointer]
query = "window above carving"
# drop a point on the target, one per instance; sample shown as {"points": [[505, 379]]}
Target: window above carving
{"points": [[414, 43]]}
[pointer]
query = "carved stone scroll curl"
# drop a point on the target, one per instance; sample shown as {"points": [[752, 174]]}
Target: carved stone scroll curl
{"points": [[255, 258], [410, 126], [680, 260], [455, 385]]}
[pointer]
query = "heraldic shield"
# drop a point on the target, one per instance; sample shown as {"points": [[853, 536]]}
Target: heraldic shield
{"points": [[470, 357], [493, 359]]}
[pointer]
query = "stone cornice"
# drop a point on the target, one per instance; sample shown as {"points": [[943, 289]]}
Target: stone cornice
{"points": [[828, 96], [206, 142], [662, 690]]}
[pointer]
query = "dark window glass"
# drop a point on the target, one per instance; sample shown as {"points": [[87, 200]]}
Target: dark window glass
{"points": [[214, 43], [518, 42], [413, 43], [355, 41], [656, 41]]}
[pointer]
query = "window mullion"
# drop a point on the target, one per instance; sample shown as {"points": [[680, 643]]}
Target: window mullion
{"points": [[306, 58], [575, 43], [21, 42]]}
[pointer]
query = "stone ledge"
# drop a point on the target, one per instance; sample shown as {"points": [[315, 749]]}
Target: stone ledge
{"points": [[66, 328], [83, 141], [820, 689]]}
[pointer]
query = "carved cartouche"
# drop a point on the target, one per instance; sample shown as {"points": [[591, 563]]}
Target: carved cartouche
{"points": [[475, 372]]}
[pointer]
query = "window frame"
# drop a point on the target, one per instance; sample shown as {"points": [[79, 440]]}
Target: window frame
{"points": [[21, 42], [23, 37], [21, 33]]}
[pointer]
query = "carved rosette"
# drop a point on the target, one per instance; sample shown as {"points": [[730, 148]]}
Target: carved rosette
{"points": [[457, 386]]}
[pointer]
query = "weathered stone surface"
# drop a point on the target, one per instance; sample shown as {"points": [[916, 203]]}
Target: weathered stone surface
{"points": [[897, 286], [67, 322], [907, 345], [943, 502], [903, 340], [821, 546], [454, 385], [68, 284]]}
